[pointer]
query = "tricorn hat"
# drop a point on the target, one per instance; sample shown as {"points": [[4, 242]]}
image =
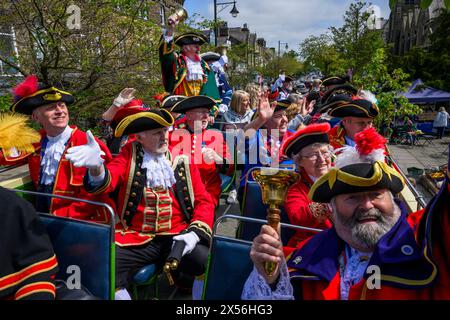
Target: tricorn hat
{"points": [[190, 38], [359, 108], [132, 107], [143, 121], [358, 169], [335, 80], [28, 96], [193, 102]]}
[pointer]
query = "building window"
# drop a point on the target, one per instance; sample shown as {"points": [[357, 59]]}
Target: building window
{"points": [[8, 50]]}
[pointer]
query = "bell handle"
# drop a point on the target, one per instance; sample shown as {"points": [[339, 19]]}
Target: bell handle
{"points": [[273, 220]]}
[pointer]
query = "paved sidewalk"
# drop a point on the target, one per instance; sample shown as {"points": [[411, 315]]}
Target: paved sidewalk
{"points": [[425, 156]]}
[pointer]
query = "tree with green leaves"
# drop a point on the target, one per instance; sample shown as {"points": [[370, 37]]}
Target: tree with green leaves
{"points": [[113, 48], [319, 52], [387, 85], [354, 40]]}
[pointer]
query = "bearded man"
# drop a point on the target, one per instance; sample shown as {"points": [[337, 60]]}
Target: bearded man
{"points": [[375, 250]]}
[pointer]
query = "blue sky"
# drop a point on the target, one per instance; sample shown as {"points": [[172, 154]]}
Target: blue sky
{"points": [[288, 21]]}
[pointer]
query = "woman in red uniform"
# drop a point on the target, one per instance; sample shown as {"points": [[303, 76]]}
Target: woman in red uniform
{"points": [[310, 150]]}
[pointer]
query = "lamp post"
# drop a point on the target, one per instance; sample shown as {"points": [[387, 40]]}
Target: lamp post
{"points": [[279, 46], [234, 12]]}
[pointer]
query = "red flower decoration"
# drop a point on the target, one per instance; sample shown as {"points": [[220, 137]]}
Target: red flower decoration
{"points": [[27, 87], [369, 140]]}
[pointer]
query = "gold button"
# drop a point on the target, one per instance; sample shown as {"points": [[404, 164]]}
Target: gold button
{"points": [[133, 194], [186, 198], [130, 204], [182, 169], [183, 179], [136, 184], [185, 189], [127, 213], [138, 173], [189, 208]]}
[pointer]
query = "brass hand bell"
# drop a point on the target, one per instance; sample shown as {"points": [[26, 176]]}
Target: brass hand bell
{"points": [[274, 184]]}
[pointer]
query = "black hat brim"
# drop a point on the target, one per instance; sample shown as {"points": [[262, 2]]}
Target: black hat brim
{"points": [[143, 121], [359, 177], [305, 141], [40, 98], [334, 102], [355, 108], [344, 88], [335, 80], [170, 101], [190, 38], [193, 103]]}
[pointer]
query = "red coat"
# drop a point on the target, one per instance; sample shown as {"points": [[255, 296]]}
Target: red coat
{"points": [[166, 216], [69, 182], [412, 266], [192, 147], [302, 211]]}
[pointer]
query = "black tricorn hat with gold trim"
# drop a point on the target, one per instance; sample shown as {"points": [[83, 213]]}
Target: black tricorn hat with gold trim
{"points": [[28, 96], [170, 101], [190, 38], [143, 121], [339, 89], [358, 168], [334, 102], [359, 108], [335, 80], [193, 102], [358, 177]]}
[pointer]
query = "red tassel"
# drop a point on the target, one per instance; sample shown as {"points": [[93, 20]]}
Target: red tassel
{"points": [[369, 140], [27, 87]]}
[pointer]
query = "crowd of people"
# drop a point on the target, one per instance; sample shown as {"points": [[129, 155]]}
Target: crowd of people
{"points": [[162, 170]]}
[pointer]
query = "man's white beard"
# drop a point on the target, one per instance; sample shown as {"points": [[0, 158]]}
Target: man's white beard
{"points": [[367, 234], [159, 171]]}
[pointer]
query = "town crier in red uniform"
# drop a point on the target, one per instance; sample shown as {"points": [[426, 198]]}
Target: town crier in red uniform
{"points": [[310, 150], [206, 148], [357, 115], [161, 199], [374, 250], [49, 170]]}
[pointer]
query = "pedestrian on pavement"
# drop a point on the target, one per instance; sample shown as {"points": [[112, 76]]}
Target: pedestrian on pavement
{"points": [[441, 122]]}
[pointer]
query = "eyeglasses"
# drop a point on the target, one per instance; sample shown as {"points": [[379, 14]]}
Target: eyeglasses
{"points": [[313, 157]]}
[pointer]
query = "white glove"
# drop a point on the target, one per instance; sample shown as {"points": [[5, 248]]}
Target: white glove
{"points": [[190, 239], [87, 155], [124, 97]]}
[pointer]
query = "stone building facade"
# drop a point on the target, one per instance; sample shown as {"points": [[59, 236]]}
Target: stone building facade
{"points": [[411, 26]]}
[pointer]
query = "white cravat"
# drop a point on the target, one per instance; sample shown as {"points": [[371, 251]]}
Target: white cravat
{"points": [[159, 171], [53, 151], [194, 70]]}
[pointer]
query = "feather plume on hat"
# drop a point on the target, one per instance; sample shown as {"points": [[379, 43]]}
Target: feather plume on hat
{"points": [[367, 95], [15, 133], [370, 147]]}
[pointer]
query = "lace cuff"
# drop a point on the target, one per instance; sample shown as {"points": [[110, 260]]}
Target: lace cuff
{"points": [[256, 288]]}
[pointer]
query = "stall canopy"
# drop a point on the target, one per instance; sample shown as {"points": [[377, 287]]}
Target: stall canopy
{"points": [[420, 93]]}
